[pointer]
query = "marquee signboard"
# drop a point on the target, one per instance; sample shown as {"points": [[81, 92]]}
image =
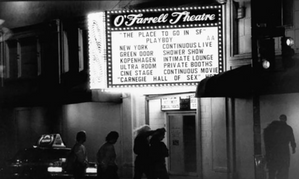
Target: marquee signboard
{"points": [[167, 46], [161, 47], [97, 50]]}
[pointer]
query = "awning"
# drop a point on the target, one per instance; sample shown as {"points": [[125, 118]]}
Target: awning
{"points": [[233, 83], [246, 81]]}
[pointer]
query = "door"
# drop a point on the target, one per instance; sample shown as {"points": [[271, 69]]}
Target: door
{"points": [[182, 144]]}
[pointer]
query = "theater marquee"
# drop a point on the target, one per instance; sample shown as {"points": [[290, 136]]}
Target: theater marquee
{"points": [[163, 47]]}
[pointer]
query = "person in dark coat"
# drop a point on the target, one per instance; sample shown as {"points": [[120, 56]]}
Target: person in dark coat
{"points": [[141, 149], [158, 153], [106, 158], [278, 137]]}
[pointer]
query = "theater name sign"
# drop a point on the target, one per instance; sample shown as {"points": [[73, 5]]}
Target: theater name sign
{"points": [[155, 47]]}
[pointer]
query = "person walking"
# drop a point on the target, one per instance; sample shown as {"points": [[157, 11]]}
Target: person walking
{"points": [[158, 153], [106, 158], [278, 137], [141, 149], [81, 161]]}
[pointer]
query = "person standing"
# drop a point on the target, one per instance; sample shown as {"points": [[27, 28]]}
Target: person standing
{"points": [[81, 161], [141, 149], [278, 137], [158, 153], [106, 158]]}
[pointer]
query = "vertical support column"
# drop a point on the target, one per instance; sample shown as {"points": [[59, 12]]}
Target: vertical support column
{"points": [[60, 49], [1, 59], [231, 138], [257, 126], [258, 168], [257, 132], [199, 140], [147, 120], [254, 50], [19, 59]]}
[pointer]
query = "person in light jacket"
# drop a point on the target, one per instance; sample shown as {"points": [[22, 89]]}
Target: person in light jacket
{"points": [[81, 161]]}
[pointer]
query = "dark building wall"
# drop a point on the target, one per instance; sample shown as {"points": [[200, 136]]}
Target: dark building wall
{"points": [[21, 126]]}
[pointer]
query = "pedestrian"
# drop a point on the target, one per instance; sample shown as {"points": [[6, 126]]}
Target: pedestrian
{"points": [[158, 153], [141, 149], [106, 158], [81, 161], [278, 137]]}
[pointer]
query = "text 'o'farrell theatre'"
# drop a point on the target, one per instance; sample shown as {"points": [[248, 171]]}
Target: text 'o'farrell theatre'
{"points": [[155, 47]]}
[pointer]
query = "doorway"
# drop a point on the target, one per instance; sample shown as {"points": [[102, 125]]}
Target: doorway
{"points": [[183, 152]]}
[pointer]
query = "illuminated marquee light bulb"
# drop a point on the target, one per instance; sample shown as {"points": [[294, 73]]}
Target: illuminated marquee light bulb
{"points": [[266, 64], [289, 42]]}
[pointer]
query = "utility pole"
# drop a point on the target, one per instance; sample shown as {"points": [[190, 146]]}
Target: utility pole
{"points": [[266, 23], [257, 137]]}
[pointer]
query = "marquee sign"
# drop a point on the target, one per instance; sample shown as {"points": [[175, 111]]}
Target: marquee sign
{"points": [[155, 47], [167, 46], [97, 50]]}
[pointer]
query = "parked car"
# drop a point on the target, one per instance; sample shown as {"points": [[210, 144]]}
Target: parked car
{"points": [[44, 161]]}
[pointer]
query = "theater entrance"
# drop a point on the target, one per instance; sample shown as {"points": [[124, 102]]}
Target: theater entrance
{"points": [[183, 148]]}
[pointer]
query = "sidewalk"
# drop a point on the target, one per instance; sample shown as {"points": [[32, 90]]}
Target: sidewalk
{"points": [[183, 177], [175, 177]]}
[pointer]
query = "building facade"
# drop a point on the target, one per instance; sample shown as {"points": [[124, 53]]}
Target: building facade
{"points": [[45, 89]]}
